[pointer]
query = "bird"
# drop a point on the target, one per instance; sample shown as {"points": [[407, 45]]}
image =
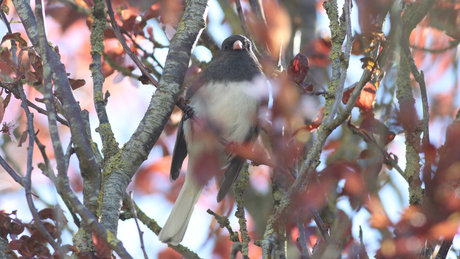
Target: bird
{"points": [[223, 99]]}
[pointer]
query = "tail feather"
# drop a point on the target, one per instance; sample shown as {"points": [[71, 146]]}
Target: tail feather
{"points": [[174, 229]]}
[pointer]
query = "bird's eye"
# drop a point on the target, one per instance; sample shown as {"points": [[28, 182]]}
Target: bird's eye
{"points": [[225, 46]]}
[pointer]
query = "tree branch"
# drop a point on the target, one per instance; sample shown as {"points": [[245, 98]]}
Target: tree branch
{"points": [[128, 51], [123, 166]]}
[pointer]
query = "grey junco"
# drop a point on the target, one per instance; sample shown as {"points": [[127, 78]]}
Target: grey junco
{"points": [[223, 99]]}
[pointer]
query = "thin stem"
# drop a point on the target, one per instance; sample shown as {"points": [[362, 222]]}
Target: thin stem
{"points": [[128, 51]]}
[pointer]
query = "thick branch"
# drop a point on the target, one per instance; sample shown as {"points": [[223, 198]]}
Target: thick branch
{"points": [[138, 147]]}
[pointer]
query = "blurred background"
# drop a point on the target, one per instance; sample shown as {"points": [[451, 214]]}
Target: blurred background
{"points": [[298, 26]]}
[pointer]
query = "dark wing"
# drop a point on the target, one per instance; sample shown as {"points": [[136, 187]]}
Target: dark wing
{"points": [[236, 164], [179, 153], [230, 176]]}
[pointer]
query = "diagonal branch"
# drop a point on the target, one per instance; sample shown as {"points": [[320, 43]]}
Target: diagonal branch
{"points": [[137, 149], [28, 178], [128, 51]]}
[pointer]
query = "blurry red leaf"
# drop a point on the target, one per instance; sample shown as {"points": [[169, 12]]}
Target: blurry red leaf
{"points": [[430, 152], [222, 247], [17, 37], [15, 244], [318, 51], [76, 83], [368, 153], [276, 32], [153, 11], [33, 77], [454, 34], [6, 101], [332, 145], [15, 227], [379, 217], [312, 126], [171, 11], [23, 138], [358, 45], [298, 68], [169, 253], [446, 229], [68, 248], [129, 19], [371, 124], [36, 247], [2, 108], [366, 98], [38, 236], [5, 56], [449, 155], [143, 180], [372, 173], [150, 32], [102, 249], [63, 14], [370, 11], [206, 166], [36, 62], [408, 115]]}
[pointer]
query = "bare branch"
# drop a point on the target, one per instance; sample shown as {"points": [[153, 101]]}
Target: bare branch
{"points": [[141, 234], [128, 51], [160, 108], [28, 178]]}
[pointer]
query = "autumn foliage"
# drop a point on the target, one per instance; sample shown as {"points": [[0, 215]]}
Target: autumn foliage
{"points": [[358, 156]]}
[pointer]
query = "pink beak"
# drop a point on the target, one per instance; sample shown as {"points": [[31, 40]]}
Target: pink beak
{"points": [[238, 45]]}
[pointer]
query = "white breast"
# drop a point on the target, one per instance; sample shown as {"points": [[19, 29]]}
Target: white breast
{"points": [[229, 106]]}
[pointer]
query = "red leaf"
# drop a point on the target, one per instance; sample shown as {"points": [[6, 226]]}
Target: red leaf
{"points": [[17, 37], [368, 153], [102, 249], [5, 56], [318, 52], [153, 11], [168, 253], [23, 138], [76, 83], [366, 98], [298, 68], [371, 124]]}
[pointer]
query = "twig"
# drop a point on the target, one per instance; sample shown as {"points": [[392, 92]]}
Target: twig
{"points": [[238, 190], [453, 44], [225, 223], [244, 27], [346, 58], [97, 49], [128, 51], [419, 77], [256, 6], [236, 247], [11, 172], [141, 234], [48, 171], [444, 249], [10, 87], [320, 224], [209, 42], [64, 185], [155, 228], [156, 116], [28, 178], [302, 239]]}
